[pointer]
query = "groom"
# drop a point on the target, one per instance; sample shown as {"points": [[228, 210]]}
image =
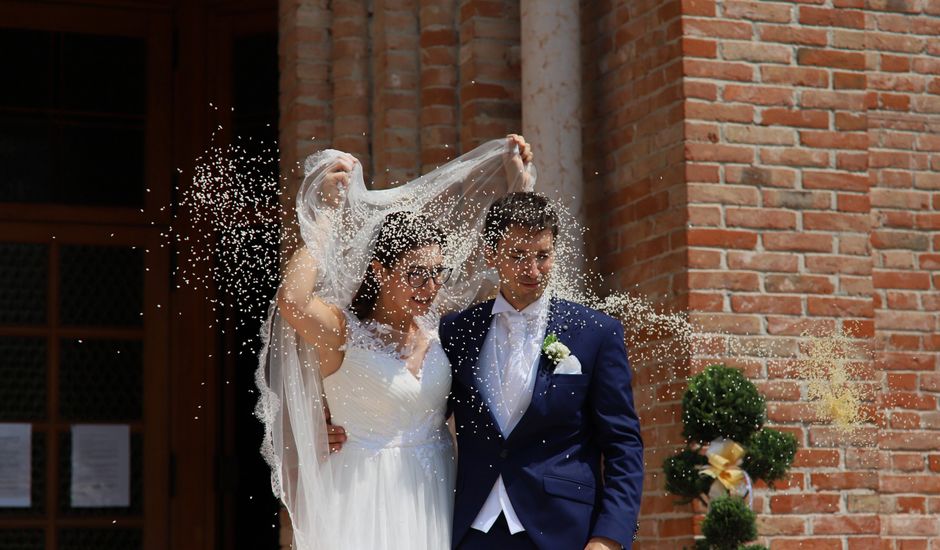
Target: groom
{"points": [[549, 442]]}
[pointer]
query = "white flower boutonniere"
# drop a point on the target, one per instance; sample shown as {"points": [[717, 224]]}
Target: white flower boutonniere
{"points": [[554, 349], [560, 356]]}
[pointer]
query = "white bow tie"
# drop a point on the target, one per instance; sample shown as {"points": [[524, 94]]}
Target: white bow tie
{"points": [[516, 322], [518, 315]]}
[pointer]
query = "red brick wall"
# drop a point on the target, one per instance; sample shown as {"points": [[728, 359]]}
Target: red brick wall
{"points": [[634, 174], [490, 71], [440, 72], [401, 84], [809, 136], [771, 166], [633, 161], [776, 139], [904, 173]]}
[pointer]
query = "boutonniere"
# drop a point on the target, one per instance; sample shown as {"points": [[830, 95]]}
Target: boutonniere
{"points": [[560, 356], [554, 349]]}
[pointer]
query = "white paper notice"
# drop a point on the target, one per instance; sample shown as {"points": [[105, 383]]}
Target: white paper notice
{"points": [[101, 466], [15, 452]]}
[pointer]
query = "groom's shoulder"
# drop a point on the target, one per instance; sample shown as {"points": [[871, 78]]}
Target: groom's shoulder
{"points": [[590, 317], [469, 316]]}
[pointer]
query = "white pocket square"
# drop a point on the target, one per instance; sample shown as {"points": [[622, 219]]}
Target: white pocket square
{"points": [[568, 365]]}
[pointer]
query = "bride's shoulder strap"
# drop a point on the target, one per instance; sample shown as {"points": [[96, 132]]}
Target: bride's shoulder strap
{"points": [[363, 335]]}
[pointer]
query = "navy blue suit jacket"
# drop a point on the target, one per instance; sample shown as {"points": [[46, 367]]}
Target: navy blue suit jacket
{"points": [[573, 465]]}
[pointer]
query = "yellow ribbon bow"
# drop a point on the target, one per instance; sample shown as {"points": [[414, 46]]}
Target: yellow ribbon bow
{"points": [[724, 457]]}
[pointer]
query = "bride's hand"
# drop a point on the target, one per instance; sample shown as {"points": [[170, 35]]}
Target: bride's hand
{"points": [[517, 160], [336, 181]]}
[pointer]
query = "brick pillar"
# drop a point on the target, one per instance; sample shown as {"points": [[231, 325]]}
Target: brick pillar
{"points": [[634, 178], [396, 108], [490, 71], [352, 87], [305, 124], [439, 73]]}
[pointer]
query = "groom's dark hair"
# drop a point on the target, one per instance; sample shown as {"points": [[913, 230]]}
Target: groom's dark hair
{"points": [[527, 210]]}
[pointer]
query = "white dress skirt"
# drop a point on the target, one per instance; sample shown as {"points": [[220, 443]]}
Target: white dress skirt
{"points": [[393, 480]]}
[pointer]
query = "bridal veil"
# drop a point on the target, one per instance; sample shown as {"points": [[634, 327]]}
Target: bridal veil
{"points": [[291, 403]]}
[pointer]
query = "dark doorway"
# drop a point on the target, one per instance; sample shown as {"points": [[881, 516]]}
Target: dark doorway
{"points": [[102, 102], [85, 137], [245, 54]]}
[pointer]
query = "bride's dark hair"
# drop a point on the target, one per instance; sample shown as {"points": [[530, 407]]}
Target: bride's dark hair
{"points": [[401, 232]]}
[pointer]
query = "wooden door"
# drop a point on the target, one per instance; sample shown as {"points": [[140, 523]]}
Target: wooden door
{"points": [[85, 141]]}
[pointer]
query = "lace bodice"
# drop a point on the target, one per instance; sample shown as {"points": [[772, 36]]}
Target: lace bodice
{"points": [[379, 401]]}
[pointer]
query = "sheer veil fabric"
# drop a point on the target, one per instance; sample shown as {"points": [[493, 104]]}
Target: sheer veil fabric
{"points": [[292, 396]]}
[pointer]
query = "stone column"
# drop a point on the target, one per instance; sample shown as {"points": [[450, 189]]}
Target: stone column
{"points": [[551, 96]]}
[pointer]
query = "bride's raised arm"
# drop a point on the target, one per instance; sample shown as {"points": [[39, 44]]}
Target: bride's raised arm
{"points": [[317, 322]]}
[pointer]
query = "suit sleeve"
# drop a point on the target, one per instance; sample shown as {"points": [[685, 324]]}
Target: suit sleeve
{"points": [[617, 429]]}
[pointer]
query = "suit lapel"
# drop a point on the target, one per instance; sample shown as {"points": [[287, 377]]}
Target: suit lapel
{"points": [[469, 369], [558, 324]]}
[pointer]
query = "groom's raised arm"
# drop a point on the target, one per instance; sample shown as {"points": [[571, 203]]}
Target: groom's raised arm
{"points": [[617, 428]]}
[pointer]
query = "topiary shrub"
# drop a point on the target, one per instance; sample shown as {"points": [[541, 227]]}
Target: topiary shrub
{"points": [[683, 476], [729, 523], [721, 402], [769, 455]]}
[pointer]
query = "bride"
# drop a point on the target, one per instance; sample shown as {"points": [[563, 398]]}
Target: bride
{"points": [[353, 334]]}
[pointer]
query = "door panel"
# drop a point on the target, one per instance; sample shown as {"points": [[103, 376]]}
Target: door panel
{"points": [[84, 272], [85, 131]]}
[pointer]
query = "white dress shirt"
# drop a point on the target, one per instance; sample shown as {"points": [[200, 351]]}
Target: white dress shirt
{"points": [[508, 366]]}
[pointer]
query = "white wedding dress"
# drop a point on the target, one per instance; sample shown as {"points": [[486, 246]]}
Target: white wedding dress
{"points": [[393, 480]]}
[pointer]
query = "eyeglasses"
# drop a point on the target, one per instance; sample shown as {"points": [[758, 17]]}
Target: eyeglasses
{"points": [[539, 257], [419, 277]]}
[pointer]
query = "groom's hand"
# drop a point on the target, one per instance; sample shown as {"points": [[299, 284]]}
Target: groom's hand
{"points": [[516, 162], [335, 434], [601, 543]]}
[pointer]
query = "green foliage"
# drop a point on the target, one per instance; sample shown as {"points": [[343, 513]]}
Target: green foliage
{"points": [[721, 402], [769, 455], [729, 523], [683, 478]]}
